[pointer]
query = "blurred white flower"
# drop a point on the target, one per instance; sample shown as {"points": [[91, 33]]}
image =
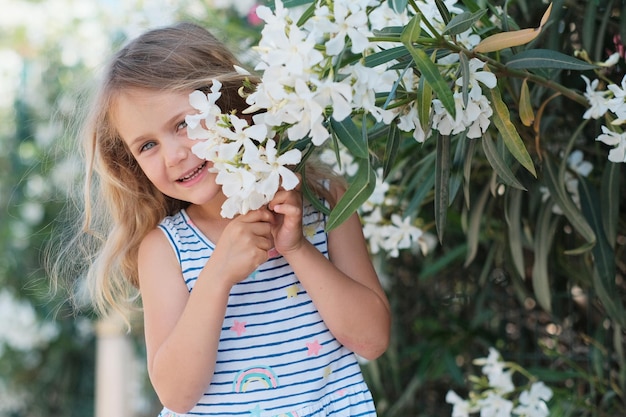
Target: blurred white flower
{"points": [[533, 401], [495, 405], [343, 164], [577, 166], [460, 407], [20, 328]]}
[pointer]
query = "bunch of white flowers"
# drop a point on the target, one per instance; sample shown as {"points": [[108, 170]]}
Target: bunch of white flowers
{"points": [[612, 99], [494, 392], [307, 89], [246, 160]]}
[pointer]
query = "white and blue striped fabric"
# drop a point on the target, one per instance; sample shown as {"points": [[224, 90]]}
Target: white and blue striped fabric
{"points": [[276, 356]]}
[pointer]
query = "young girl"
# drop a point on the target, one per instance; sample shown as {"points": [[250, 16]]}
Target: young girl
{"points": [[260, 315]]}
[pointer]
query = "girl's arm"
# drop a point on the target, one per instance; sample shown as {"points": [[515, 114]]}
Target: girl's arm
{"points": [[345, 289], [183, 329]]}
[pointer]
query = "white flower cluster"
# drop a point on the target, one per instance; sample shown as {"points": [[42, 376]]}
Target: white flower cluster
{"points": [[600, 102], [20, 329], [383, 232], [494, 397], [304, 84], [245, 158]]}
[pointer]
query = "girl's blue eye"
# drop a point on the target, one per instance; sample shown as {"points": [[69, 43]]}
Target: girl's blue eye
{"points": [[147, 146]]}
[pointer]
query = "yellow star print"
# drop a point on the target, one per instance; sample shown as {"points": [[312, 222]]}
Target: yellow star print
{"points": [[292, 292]]}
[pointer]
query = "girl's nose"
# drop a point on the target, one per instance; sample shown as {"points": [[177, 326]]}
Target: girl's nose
{"points": [[175, 152]]}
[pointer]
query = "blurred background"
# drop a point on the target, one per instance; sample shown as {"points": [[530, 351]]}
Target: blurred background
{"points": [[448, 309]]}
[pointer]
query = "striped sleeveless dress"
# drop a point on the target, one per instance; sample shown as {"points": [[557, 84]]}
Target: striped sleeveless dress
{"points": [[276, 356]]}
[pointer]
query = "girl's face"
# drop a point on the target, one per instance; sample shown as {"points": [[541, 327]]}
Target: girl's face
{"points": [[152, 124]]}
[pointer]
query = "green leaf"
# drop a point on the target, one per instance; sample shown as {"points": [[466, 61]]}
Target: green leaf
{"points": [[473, 229], [351, 136], [307, 14], [456, 171], [411, 31], [311, 196], [391, 149], [465, 75], [443, 10], [526, 114], [497, 162], [512, 139], [398, 6], [424, 102], [555, 184], [426, 66], [434, 78], [421, 185], [513, 217], [545, 58], [358, 192], [294, 3], [610, 197], [462, 22], [385, 56], [442, 177], [544, 235], [603, 255]]}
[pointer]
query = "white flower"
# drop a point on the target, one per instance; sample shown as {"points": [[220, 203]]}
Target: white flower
{"points": [[618, 103], [492, 363], [366, 82], [613, 59], [476, 75], [342, 164], [308, 115], [599, 104], [617, 140], [474, 117], [271, 168], [460, 407], [402, 234], [533, 401], [350, 20], [410, 122], [373, 231], [501, 381], [338, 95], [208, 112], [577, 164], [495, 406]]}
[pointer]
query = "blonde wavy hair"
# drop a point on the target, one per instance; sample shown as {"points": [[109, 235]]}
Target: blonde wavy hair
{"points": [[120, 204]]}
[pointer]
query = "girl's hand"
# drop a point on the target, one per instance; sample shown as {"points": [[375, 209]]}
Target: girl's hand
{"points": [[287, 225], [243, 245]]}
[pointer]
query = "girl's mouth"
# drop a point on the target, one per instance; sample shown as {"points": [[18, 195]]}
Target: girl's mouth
{"points": [[192, 174]]}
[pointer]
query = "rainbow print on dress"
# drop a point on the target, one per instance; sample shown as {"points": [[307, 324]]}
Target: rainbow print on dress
{"points": [[255, 378]]}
